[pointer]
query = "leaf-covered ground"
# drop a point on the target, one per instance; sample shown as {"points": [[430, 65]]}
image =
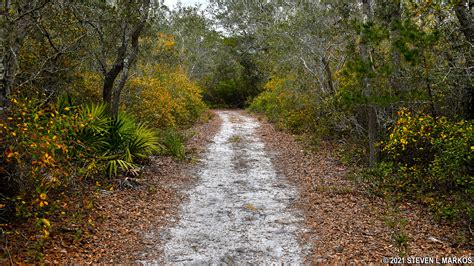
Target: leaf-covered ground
{"points": [[122, 216], [346, 224], [342, 222]]}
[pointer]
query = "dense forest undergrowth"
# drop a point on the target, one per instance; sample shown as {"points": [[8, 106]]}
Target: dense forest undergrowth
{"points": [[90, 89]]}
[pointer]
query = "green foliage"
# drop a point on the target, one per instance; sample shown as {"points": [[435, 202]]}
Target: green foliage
{"points": [[127, 142], [445, 147], [429, 159], [174, 143], [298, 111], [236, 79], [397, 226], [116, 143], [98, 121], [225, 93], [49, 149], [287, 108]]}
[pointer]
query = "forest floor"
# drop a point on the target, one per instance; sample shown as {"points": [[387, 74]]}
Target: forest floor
{"points": [[249, 192]]}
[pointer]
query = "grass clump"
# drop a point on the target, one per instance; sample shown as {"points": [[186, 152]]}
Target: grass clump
{"points": [[174, 143]]}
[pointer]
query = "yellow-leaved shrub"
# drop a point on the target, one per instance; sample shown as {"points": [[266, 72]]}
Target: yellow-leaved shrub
{"points": [[164, 97], [431, 159], [288, 108]]}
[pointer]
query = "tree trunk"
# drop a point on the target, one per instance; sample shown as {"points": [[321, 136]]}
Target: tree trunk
{"points": [[428, 85], [395, 19], [7, 67], [464, 14], [120, 86], [465, 17], [367, 90], [327, 69], [111, 75], [4, 89], [109, 81], [9, 46], [123, 62], [130, 59]]}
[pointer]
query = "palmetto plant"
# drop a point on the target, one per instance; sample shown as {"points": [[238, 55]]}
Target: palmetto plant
{"points": [[95, 126], [118, 142], [128, 141]]}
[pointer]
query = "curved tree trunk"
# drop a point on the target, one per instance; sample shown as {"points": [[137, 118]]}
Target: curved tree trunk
{"points": [[129, 61], [327, 69], [367, 91], [124, 61]]}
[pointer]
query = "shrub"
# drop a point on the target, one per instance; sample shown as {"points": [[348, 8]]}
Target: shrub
{"points": [[48, 148], [431, 159], [226, 93], [165, 97], [127, 142], [286, 107], [441, 148], [41, 156], [40, 145]]}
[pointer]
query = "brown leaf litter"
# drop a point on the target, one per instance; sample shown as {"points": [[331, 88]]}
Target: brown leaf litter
{"points": [[123, 217], [345, 224]]}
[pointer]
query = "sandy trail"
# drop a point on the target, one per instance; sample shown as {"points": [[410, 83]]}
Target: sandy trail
{"points": [[239, 210]]}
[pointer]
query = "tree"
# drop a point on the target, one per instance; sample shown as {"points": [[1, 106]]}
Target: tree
{"points": [[463, 10], [367, 90], [16, 20], [117, 27]]}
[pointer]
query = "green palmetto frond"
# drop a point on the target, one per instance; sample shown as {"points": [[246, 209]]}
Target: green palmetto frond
{"points": [[144, 142], [119, 141], [121, 130], [127, 142], [113, 166], [95, 125]]}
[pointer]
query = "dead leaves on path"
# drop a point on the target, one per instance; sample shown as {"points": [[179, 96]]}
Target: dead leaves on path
{"points": [[128, 222], [344, 224], [120, 219]]}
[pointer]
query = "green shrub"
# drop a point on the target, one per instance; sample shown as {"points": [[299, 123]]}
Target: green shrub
{"points": [[430, 159], [127, 142], [287, 108], [298, 110], [442, 150], [49, 149], [95, 128], [117, 143]]}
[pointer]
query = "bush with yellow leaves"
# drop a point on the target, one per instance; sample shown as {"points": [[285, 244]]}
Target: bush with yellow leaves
{"points": [[48, 151], [41, 141], [164, 97], [287, 108], [431, 159], [40, 154]]}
